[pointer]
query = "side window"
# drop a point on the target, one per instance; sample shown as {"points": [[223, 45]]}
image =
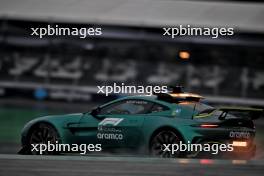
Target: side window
{"points": [[158, 108], [128, 107]]}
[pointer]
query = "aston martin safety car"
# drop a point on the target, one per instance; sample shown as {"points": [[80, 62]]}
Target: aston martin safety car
{"points": [[146, 123]]}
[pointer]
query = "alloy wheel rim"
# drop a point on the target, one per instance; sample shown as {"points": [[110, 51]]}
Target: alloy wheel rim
{"points": [[42, 135], [165, 137]]}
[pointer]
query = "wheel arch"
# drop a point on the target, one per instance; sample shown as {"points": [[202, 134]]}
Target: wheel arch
{"points": [[33, 126], [167, 128]]}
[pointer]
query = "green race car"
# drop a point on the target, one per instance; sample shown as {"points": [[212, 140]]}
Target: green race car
{"points": [[150, 125]]}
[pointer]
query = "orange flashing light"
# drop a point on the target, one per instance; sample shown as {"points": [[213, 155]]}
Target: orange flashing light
{"points": [[185, 95]]}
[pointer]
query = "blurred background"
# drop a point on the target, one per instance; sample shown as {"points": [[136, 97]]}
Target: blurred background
{"points": [[59, 74]]}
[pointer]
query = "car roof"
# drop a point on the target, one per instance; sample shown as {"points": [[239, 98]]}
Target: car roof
{"points": [[175, 98], [174, 95]]}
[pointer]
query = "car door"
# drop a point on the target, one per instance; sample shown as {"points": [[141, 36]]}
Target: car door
{"points": [[118, 124], [85, 131], [122, 125]]}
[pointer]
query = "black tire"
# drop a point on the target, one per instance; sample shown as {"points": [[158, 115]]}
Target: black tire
{"points": [[41, 134], [156, 148]]}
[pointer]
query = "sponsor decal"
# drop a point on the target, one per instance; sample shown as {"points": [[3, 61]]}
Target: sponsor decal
{"points": [[107, 129], [239, 134], [110, 136], [111, 121]]}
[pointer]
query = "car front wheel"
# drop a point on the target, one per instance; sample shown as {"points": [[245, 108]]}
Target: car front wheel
{"points": [[42, 134]]}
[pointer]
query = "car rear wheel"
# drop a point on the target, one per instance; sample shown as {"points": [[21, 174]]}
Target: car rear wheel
{"points": [[42, 134], [157, 148]]}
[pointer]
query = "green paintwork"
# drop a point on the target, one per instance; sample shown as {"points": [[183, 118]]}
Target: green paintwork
{"points": [[137, 130]]}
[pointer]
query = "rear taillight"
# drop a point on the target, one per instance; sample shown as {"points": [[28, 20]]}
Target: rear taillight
{"points": [[209, 125], [206, 125], [239, 143]]}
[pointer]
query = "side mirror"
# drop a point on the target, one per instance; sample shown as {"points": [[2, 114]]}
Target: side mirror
{"points": [[95, 111]]}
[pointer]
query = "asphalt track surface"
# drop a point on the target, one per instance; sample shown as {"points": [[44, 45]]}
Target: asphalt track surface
{"points": [[19, 165]]}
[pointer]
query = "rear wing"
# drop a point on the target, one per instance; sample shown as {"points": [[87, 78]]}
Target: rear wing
{"points": [[250, 113]]}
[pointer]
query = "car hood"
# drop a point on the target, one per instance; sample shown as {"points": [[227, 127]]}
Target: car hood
{"points": [[56, 120]]}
